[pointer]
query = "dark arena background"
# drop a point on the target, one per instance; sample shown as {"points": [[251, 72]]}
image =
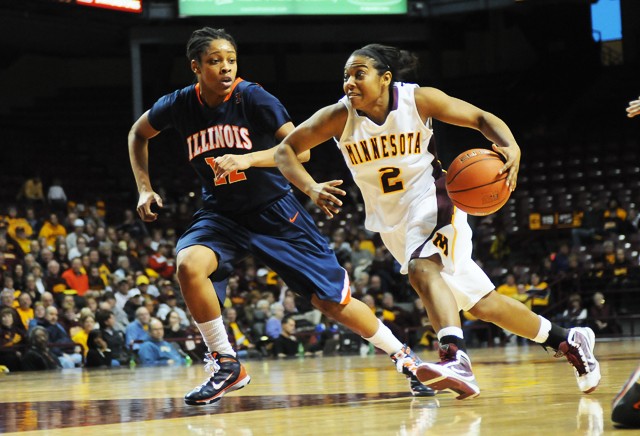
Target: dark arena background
{"points": [[76, 74]]}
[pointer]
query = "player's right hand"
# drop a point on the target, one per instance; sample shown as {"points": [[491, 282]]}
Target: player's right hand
{"points": [[324, 196], [145, 201]]}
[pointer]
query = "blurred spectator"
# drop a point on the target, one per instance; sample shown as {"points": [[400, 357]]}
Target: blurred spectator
{"points": [[134, 302], [69, 316], [574, 315], [138, 330], [39, 312], [615, 217], [510, 288], [31, 191], [77, 233], [122, 291], [560, 260], [622, 268], [340, 246], [99, 353], [155, 351], [274, 323], [56, 196], [376, 288], [261, 313], [602, 316], [113, 337], [169, 303], [132, 225], [286, 344], [31, 288], [397, 314], [591, 227], [47, 299], [14, 221], [163, 261], [53, 280], [80, 249], [539, 292], [96, 282], [173, 329], [11, 338], [58, 335], [76, 278], [110, 303], [88, 323], [51, 230], [38, 356], [24, 309], [239, 339]]}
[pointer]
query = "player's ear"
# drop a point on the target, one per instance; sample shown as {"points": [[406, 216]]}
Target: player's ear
{"points": [[387, 77], [194, 66]]}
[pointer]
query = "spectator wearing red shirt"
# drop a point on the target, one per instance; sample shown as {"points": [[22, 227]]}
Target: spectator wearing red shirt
{"points": [[76, 278], [162, 261]]}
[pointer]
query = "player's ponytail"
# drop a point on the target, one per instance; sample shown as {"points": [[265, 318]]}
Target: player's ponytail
{"points": [[402, 64]]}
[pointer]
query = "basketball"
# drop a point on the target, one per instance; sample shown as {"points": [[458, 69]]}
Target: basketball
{"points": [[473, 182]]}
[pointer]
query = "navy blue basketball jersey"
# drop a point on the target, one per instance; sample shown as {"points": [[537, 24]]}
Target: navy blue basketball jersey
{"points": [[245, 122]]}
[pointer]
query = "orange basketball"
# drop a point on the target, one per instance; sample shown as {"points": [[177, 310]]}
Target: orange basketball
{"points": [[473, 182]]}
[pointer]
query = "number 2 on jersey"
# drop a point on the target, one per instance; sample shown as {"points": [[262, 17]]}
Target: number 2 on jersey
{"points": [[234, 176], [389, 179]]}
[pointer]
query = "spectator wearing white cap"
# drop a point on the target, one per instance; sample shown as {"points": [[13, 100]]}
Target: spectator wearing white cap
{"points": [[78, 231]]}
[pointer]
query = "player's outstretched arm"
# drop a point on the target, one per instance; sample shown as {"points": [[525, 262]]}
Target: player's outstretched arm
{"points": [[323, 125], [634, 108], [139, 136], [432, 102], [263, 158]]}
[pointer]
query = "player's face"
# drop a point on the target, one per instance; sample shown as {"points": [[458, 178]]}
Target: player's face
{"points": [[363, 85], [217, 67]]}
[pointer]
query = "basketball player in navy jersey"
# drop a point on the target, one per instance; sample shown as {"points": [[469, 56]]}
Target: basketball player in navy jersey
{"points": [[383, 129], [248, 208]]}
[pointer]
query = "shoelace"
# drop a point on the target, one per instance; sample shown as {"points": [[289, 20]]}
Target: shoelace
{"points": [[402, 357], [211, 366]]}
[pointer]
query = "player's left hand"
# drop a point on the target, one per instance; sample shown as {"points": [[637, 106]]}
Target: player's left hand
{"points": [[324, 196], [230, 162], [512, 157]]}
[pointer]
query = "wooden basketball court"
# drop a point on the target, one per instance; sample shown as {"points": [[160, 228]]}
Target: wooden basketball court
{"points": [[524, 391]]}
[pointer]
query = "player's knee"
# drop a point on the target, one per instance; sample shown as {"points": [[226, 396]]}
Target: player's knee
{"points": [[191, 265], [422, 272]]}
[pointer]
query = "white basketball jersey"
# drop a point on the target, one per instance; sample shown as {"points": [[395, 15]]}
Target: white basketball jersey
{"points": [[390, 163]]}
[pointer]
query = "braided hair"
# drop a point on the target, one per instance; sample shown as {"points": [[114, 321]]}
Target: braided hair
{"points": [[402, 64]]}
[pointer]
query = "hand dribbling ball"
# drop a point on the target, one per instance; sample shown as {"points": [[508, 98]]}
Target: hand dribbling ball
{"points": [[474, 183]]}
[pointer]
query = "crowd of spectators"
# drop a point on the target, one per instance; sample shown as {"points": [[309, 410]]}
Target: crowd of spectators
{"points": [[77, 290]]}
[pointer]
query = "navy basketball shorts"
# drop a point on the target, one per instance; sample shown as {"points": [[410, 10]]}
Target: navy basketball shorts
{"points": [[283, 236]]}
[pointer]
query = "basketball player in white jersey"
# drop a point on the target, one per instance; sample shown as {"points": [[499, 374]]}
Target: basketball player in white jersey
{"points": [[382, 127]]}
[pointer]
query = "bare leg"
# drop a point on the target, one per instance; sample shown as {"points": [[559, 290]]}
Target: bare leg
{"points": [[441, 306], [195, 265], [507, 313], [356, 315]]}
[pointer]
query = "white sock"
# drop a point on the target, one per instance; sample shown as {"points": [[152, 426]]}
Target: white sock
{"points": [[543, 333], [384, 339], [450, 331], [215, 336]]}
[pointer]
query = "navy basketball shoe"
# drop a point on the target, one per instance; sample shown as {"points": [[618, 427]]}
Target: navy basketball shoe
{"points": [[227, 374], [578, 349], [453, 372], [407, 362], [625, 410]]}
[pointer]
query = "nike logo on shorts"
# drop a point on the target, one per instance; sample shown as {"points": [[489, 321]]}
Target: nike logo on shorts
{"points": [[295, 217]]}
